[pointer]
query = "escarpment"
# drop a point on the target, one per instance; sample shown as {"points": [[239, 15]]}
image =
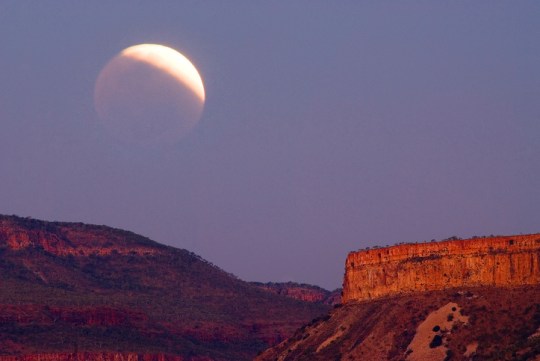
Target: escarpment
{"points": [[72, 291], [100, 356], [495, 261], [75, 239], [302, 292], [451, 300]]}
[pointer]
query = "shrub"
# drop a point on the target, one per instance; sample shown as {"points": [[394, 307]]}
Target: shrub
{"points": [[449, 354], [436, 342]]}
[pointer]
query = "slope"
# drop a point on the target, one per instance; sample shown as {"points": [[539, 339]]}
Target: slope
{"points": [[451, 300], [76, 288], [462, 324]]}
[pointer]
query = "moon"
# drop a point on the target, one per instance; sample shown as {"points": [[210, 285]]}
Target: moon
{"points": [[149, 94]]}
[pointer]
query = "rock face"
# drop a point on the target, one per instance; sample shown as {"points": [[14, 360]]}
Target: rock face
{"points": [[452, 300], [302, 292], [101, 356], [495, 261], [72, 239]]}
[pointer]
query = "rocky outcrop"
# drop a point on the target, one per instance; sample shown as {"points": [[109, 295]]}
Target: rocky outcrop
{"points": [[100, 356], [76, 239], [495, 261], [302, 292], [454, 300]]}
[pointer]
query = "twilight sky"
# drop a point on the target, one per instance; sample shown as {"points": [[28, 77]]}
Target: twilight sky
{"points": [[327, 127]]}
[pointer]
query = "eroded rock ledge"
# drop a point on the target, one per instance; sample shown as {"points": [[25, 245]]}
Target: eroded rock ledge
{"points": [[496, 261], [100, 356]]}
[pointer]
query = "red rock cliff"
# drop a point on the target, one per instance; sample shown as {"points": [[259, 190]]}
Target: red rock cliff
{"points": [[100, 356], [64, 239], [302, 292], [498, 261]]}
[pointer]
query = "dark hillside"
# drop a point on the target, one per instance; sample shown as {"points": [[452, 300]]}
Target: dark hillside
{"points": [[71, 287]]}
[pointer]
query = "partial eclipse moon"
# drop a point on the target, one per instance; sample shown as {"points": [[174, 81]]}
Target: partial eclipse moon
{"points": [[149, 94]]}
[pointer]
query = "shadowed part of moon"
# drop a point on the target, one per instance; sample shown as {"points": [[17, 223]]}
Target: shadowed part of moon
{"points": [[141, 103]]}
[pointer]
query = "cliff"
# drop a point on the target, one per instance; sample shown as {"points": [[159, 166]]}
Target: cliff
{"points": [[453, 300], [302, 292], [75, 239], [496, 261], [99, 356]]}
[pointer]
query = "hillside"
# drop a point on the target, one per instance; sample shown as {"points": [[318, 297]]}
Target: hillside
{"points": [[74, 289], [473, 299], [495, 325]]}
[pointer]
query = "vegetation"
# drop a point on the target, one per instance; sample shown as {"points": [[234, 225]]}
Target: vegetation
{"points": [[436, 342], [130, 295], [502, 323]]}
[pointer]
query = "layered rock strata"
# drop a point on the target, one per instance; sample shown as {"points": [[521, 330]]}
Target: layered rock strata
{"points": [[495, 261], [302, 292], [100, 356], [75, 239]]}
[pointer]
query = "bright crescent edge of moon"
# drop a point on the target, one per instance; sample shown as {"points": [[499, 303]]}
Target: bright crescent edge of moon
{"points": [[170, 61]]}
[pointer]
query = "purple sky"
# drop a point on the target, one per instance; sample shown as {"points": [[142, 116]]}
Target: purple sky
{"points": [[327, 128]]}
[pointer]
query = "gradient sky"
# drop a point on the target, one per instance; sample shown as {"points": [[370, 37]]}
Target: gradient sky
{"points": [[327, 127]]}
